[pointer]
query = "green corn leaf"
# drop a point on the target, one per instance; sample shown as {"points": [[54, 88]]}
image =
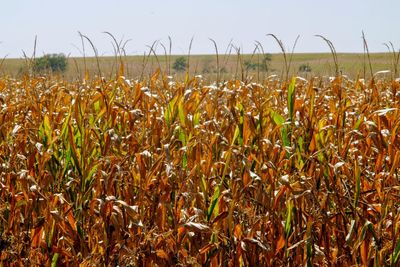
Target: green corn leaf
{"points": [[89, 177], [96, 106], [288, 222], [182, 137], [181, 113], [358, 123], [64, 131], [54, 260], [291, 98], [196, 119], [277, 118], [214, 202], [396, 253], [45, 133], [170, 112], [285, 137], [47, 127]]}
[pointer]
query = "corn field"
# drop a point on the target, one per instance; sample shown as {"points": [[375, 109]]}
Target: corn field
{"points": [[163, 172]]}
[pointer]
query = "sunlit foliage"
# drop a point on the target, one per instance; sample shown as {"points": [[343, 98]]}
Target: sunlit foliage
{"points": [[165, 172]]}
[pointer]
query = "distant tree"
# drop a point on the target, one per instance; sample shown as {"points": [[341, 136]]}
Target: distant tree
{"points": [[263, 65], [50, 62], [180, 64], [248, 65], [305, 68]]}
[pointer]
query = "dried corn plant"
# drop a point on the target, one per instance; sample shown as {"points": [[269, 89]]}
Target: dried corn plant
{"points": [[161, 172]]}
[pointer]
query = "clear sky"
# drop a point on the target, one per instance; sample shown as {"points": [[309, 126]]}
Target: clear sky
{"points": [[56, 24]]}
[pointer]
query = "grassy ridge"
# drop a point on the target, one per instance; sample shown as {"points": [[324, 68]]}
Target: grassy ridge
{"points": [[351, 64]]}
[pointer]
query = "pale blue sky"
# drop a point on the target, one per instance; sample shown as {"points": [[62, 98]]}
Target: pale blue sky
{"points": [[56, 24]]}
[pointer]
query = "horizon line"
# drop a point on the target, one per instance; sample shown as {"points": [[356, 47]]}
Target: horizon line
{"points": [[197, 54]]}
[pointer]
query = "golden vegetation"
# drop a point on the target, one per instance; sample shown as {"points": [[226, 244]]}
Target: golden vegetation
{"points": [[164, 172]]}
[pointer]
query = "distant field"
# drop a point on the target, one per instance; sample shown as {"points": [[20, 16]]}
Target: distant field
{"points": [[232, 66]]}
